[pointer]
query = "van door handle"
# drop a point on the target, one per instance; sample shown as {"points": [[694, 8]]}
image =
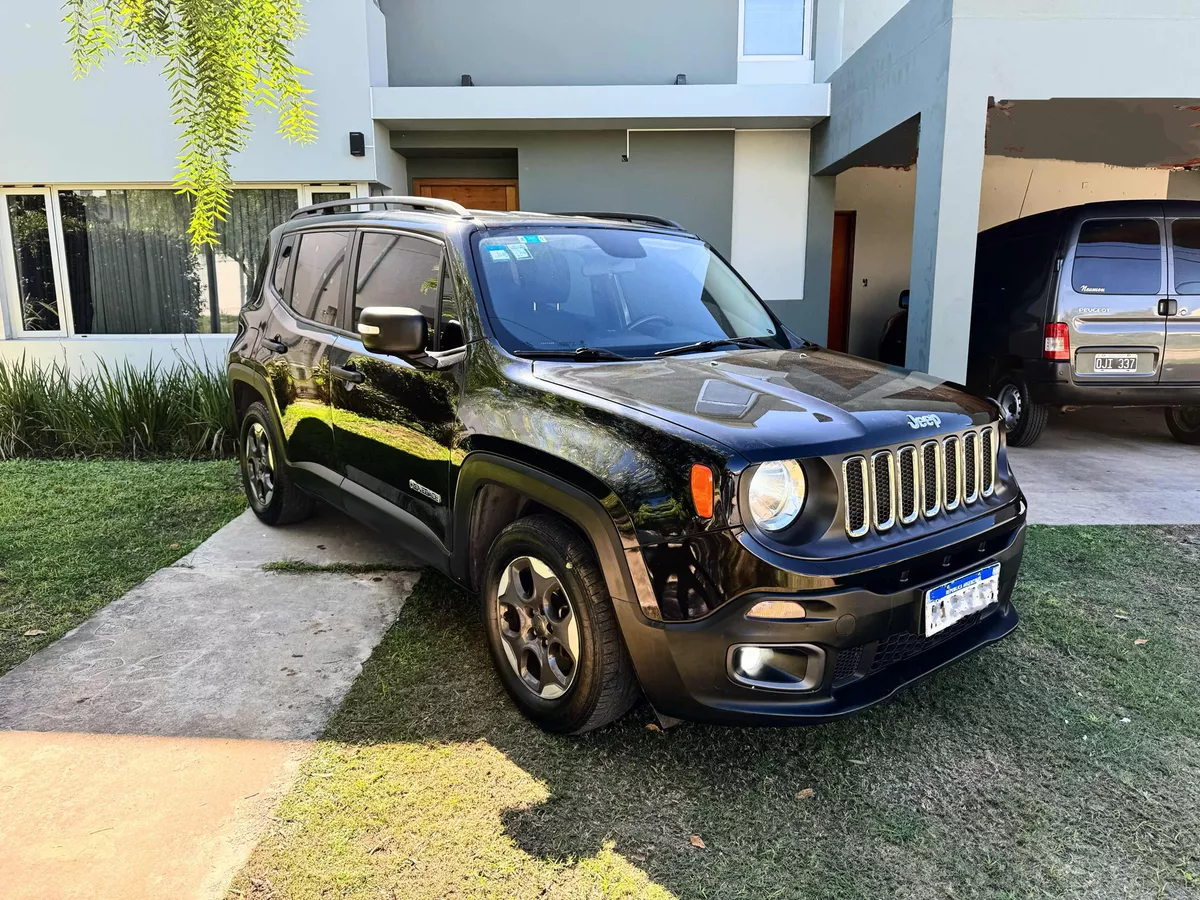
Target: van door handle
{"points": [[1168, 307], [275, 345], [349, 373]]}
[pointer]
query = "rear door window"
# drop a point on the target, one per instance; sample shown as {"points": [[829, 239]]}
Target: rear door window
{"points": [[1119, 256], [396, 269], [320, 263], [1185, 235]]}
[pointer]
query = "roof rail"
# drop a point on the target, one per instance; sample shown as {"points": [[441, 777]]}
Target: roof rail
{"points": [[432, 204], [628, 217]]}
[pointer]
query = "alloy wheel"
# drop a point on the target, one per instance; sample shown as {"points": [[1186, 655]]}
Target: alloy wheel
{"points": [[260, 464], [1011, 406], [539, 629]]}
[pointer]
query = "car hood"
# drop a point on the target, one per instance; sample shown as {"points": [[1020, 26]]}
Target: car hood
{"points": [[767, 404]]}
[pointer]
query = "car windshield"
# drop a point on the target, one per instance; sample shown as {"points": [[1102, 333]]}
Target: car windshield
{"points": [[635, 293]]}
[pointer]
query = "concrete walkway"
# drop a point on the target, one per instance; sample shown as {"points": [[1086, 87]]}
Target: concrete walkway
{"points": [[1109, 467], [143, 751]]}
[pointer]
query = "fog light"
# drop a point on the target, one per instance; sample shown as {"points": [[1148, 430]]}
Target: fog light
{"points": [[750, 659], [776, 609]]}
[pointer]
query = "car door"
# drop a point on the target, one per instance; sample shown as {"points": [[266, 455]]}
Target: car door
{"points": [[1111, 297], [394, 421], [1181, 352], [307, 290]]}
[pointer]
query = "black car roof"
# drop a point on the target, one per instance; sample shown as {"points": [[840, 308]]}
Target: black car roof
{"points": [[446, 221]]}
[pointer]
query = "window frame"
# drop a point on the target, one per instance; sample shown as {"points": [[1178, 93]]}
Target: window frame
{"points": [[10, 293], [807, 39], [343, 292], [1164, 274], [10, 313], [433, 338]]}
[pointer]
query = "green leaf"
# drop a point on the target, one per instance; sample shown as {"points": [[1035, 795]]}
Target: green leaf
{"points": [[220, 58]]}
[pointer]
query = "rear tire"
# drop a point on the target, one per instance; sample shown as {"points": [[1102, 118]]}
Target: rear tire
{"points": [[1023, 419], [1184, 423], [552, 629], [270, 491]]}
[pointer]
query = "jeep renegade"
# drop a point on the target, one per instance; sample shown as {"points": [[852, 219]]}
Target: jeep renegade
{"points": [[654, 486]]}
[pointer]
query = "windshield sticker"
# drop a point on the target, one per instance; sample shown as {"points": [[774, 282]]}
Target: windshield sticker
{"points": [[532, 239], [499, 255], [519, 252]]}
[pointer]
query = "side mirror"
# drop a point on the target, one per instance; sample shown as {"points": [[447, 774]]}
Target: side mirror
{"points": [[394, 330], [904, 299]]}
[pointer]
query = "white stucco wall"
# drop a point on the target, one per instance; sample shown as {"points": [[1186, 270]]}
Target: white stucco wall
{"points": [[115, 125], [770, 212], [1011, 188]]}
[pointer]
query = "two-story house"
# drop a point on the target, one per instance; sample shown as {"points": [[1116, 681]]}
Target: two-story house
{"points": [[838, 151]]}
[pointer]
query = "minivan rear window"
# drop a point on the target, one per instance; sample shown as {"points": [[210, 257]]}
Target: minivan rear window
{"points": [[1118, 256]]}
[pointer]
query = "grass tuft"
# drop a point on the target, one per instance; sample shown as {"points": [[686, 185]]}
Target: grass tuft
{"points": [[117, 410], [300, 567]]}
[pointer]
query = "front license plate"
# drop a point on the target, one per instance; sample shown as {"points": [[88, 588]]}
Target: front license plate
{"points": [[949, 603], [1114, 362]]}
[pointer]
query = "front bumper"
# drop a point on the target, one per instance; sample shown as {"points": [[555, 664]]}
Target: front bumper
{"points": [[867, 629]]}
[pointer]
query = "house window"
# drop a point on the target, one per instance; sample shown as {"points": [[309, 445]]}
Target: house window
{"points": [[33, 261], [131, 267], [773, 28]]}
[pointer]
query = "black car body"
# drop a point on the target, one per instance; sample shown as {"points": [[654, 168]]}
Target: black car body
{"points": [[452, 444], [1092, 305]]}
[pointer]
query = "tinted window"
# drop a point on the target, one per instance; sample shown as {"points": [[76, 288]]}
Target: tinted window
{"points": [[1186, 235], [282, 265], [397, 270], [1022, 267], [1118, 256], [320, 266]]}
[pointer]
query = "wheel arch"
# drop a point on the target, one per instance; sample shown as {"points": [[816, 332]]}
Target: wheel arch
{"points": [[494, 491]]}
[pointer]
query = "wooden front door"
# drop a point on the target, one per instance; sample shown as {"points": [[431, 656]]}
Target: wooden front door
{"points": [[841, 281], [473, 193]]}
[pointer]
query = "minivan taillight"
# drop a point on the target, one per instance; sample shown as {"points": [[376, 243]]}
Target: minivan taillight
{"points": [[1058, 342]]}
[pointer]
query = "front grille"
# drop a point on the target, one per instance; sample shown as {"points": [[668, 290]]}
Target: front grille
{"points": [[970, 446], [987, 442], [896, 648], [952, 447], [846, 664], [884, 489], [931, 478], [883, 477], [854, 480], [907, 465]]}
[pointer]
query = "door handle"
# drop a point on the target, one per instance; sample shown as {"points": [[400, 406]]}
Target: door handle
{"points": [[347, 373], [275, 345], [1168, 307]]}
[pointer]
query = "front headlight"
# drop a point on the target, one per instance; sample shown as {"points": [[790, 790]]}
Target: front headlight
{"points": [[776, 494]]}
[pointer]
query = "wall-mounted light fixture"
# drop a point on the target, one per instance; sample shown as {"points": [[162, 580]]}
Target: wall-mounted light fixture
{"points": [[358, 144]]}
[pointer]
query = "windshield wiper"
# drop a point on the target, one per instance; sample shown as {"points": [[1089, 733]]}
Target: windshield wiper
{"points": [[702, 346], [580, 353]]}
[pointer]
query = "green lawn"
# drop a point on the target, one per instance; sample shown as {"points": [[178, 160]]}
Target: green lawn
{"points": [[1064, 762], [75, 535]]}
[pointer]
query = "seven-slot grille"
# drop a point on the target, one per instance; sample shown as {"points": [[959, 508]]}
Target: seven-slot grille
{"points": [[889, 488]]}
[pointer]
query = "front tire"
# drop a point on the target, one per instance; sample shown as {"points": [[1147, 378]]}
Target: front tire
{"points": [[270, 491], [552, 629], [1023, 419], [1184, 423]]}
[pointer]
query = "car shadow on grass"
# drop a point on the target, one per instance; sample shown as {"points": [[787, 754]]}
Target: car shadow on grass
{"points": [[1063, 762]]}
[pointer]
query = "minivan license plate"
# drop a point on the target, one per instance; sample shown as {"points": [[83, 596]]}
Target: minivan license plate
{"points": [[951, 602], [1113, 362]]}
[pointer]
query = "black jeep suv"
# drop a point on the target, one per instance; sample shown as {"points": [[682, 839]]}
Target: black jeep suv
{"points": [[656, 488]]}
